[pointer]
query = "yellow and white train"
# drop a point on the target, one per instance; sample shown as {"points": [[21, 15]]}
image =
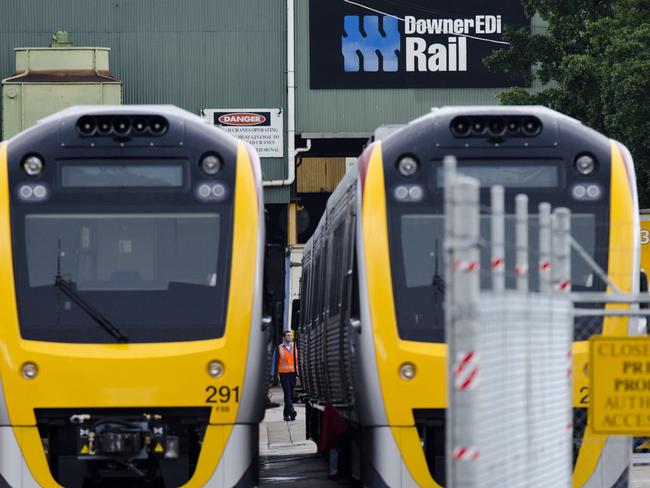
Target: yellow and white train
{"points": [[131, 243], [372, 321]]}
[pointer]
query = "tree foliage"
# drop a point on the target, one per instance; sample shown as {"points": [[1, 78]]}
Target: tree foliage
{"points": [[594, 60]]}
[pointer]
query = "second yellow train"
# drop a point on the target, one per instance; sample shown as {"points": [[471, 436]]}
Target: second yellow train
{"points": [[372, 319]]}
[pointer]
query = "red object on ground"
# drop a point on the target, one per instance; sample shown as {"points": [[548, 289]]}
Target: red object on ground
{"points": [[331, 428]]}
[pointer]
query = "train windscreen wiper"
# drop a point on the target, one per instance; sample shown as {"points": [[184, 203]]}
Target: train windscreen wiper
{"points": [[64, 285]]}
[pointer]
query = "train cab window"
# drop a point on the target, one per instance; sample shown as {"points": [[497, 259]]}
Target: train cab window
{"points": [[157, 276], [123, 252], [419, 285]]}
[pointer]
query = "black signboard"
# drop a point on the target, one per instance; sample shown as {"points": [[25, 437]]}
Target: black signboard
{"points": [[409, 43]]}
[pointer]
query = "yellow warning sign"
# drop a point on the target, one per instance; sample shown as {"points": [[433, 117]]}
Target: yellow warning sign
{"points": [[620, 385], [158, 448], [84, 449], [645, 242]]}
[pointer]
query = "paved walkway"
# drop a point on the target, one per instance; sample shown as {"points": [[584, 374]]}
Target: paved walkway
{"points": [[287, 459]]}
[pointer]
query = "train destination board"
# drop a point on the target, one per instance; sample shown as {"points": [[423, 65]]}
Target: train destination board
{"points": [[620, 385]]}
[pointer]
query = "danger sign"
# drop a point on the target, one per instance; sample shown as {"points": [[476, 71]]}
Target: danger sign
{"points": [[263, 128], [620, 385]]}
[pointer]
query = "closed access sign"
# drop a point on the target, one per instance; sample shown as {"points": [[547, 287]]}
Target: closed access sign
{"points": [[620, 385]]}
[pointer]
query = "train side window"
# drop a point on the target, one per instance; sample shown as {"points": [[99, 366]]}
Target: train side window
{"points": [[355, 308], [337, 269], [304, 297], [315, 293]]}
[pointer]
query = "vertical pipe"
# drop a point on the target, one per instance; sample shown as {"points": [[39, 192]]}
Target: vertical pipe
{"points": [[497, 227], [521, 241], [544, 248], [463, 323], [561, 250]]}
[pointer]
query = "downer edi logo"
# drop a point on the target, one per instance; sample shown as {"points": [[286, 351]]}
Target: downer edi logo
{"points": [[366, 47]]}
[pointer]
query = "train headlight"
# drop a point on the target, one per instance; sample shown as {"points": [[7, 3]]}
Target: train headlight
{"points": [[461, 126], [104, 126], [407, 166], [401, 193], [531, 126], [33, 165], [586, 192], [204, 191], [211, 192], [496, 127], [579, 192], [513, 126], [407, 371], [139, 125], [33, 193], [211, 164], [26, 192], [218, 191], [585, 165], [158, 126], [408, 193], [593, 192], [215, 369], [478, 127], [121, 126], [87, 125], [29, 371], [40, 192]]}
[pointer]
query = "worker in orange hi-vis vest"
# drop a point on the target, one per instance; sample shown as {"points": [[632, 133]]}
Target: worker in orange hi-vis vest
{"points": [[285, 361]]}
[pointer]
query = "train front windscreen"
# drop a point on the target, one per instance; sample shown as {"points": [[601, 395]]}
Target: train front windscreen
{"points": [[155, 276], [417, 236]]}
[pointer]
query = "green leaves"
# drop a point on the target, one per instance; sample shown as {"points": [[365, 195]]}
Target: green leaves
{"points": [[594, 63]]}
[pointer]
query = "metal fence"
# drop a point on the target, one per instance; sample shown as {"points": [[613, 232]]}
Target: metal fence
{"points": [[509, 416]]}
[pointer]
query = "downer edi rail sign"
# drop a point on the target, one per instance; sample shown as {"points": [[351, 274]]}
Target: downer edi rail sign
{"points": [[413, 44]]}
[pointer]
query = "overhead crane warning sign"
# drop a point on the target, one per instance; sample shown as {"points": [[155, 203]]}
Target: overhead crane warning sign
{"points": [[620, 385]]}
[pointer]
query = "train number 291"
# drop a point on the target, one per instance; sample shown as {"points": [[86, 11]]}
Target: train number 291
{"points": [[223, 394]]}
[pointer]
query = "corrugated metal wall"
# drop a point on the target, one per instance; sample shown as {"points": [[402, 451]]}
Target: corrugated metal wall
{"points": [[190, 53], [365, 110]]}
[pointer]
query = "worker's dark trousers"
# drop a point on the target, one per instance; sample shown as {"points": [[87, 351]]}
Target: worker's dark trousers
{"points": [[288, 382]]}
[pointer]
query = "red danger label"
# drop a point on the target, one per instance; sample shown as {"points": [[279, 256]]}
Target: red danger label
{"points": [[242, 119]]}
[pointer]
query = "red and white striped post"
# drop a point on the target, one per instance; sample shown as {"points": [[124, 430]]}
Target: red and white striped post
{"points": [[462, 325], [521, 241], [544, 263], [561, 250]]}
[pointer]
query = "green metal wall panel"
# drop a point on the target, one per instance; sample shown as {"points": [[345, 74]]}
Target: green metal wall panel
{"points": [[276, 195], [191, 53], [341, 110]]}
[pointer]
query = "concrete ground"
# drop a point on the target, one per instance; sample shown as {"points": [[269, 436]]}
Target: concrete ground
{"points": [[287, 459], [640, 476]]}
